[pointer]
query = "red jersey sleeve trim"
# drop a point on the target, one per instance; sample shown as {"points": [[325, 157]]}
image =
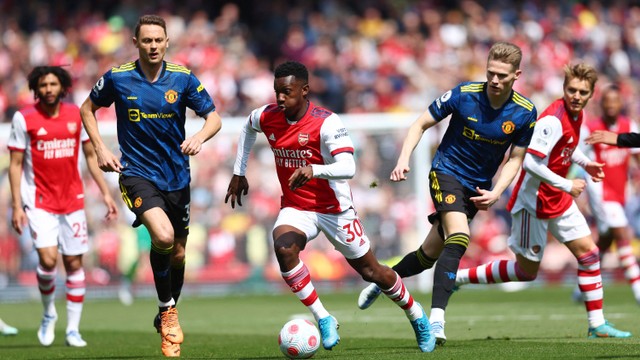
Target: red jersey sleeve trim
{"points": [[342, 150], [13, 148], [536, 153]]}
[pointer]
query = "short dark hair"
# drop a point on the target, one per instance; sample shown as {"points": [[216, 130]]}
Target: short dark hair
{"points": [[610, 88], [150, 20], [292, 68], [40, 71]]}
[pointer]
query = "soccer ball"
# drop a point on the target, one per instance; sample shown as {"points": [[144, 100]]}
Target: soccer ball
{"points": [[299, 339]]}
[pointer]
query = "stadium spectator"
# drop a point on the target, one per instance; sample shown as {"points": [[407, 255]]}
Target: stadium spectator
{"points": [[47, 192], [487, 118], [420, 47], [543, 204], [151, 97], [607, 198], [314, 158]]}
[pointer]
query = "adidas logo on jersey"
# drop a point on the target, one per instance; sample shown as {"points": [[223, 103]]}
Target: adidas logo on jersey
{"points": [[272, 138], [42, 132]]}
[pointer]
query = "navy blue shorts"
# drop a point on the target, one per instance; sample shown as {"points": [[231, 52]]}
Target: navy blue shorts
{"points": [[141, 195], [448, 194]]}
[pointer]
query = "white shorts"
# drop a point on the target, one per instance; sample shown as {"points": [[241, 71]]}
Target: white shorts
{"points": [[529, 234], [68, 231], [344, 230], [608, 214]]}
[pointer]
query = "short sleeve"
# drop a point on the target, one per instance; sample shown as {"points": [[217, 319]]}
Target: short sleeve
{"points": [[523, 137], [443, 106], [103, 92], [336, 136], [198, 99], [18, 134], [546, 134]]}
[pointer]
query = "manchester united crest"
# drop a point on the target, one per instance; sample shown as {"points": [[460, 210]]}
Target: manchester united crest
{"points": [[508, 127], [137, 202], [72, 127], [303, 139], [171, 96], [450, 199]]}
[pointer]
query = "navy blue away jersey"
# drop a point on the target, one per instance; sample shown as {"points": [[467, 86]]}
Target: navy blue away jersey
{"points": [[151, 118], [478, 136]]}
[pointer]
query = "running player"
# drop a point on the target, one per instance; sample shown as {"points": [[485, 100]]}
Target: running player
{"points": [[47, 192], [542, 203], [607, 198], [314, 158], [151, 97], [487, 118]]}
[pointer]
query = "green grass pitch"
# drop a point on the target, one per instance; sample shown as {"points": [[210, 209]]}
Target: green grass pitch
{"points": [[537, 323]]}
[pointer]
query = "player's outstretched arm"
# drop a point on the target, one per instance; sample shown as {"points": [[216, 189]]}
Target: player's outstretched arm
{"points": [[212, 125], [630, 139], [592, 168], [536, 167], [96, 174], [411, 140], [602, 137], [18, 217], [107, 161]]}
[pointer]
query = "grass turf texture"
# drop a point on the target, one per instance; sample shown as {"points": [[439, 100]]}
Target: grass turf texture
{"points": [[537, 323]]}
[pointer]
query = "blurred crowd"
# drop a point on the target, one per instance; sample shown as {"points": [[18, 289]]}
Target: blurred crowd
{"points": [[365, 56], [370, 56]]}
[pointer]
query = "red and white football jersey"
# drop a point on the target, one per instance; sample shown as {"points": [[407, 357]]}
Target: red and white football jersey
{"points": [[555, 138], [616, 159], [51, 178], [315, 139]]}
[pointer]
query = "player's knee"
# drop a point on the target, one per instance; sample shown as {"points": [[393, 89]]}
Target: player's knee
{"points": [[285, 251], [376, 273], [526, 273], [368, 274], [177, 258], [164, 239], [47, 264]]}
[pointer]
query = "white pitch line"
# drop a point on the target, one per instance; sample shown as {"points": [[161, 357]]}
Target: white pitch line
{"points": [[386, 317]]}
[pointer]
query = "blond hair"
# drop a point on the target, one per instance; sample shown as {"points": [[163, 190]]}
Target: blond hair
{"points": [[507, 53], [580, 71]]}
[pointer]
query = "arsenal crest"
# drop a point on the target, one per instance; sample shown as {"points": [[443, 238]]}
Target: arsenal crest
{"points": [[303, 139], [72, 127]]}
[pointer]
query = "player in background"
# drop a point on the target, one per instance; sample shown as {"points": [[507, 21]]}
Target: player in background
{"points": [[47, 193], [151, 97], [130, 273], [6, 329], [607, 198], [487, 118], [314, 158], [542, 203]]}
